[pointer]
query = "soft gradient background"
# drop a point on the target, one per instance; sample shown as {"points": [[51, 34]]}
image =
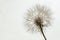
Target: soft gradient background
{"points": [[12, 14]]}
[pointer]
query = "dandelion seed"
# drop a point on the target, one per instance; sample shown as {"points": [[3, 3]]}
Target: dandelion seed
{"points": [[37, 18]]}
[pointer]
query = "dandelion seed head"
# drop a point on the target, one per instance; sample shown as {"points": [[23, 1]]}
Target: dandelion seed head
{"points": [[36, 16]]}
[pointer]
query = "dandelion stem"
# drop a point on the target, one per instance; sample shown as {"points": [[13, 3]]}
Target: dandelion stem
{"points": [[43, 33], [39, 22]]}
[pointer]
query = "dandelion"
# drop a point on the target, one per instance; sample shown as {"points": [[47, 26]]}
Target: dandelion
{"points": [[37, 18]]}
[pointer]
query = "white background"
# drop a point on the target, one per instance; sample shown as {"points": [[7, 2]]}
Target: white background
{"points": [[11, 20]]}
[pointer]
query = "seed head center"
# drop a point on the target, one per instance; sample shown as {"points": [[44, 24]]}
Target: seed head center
{"points": [[38, 22]]}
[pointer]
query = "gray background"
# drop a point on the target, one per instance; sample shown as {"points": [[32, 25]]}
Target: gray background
{"points": [[12, 16]]}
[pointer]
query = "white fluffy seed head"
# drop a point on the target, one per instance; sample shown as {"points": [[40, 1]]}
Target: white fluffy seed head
{"points": [[38, 11]]}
